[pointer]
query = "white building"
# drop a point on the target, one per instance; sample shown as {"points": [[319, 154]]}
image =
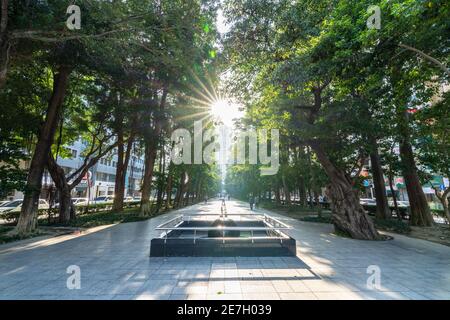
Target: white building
{"points": [[102, 176]]}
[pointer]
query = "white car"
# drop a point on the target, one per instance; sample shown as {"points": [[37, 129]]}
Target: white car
{"points": [[128, 199], [368, 202], [80, 201], [4, 202], [104, 199], [16, 205], [400, 204]]}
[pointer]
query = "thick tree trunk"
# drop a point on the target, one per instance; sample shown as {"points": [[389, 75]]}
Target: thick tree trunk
{"points": [[28, 215], [66, 207], [348, 215], [383, 211], [420, 211]]}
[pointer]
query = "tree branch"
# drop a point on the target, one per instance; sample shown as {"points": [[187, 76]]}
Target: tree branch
{"points": [[427, 57], [91, 162]]}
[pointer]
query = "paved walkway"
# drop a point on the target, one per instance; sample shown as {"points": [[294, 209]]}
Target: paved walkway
{"points": [[115, 264]]}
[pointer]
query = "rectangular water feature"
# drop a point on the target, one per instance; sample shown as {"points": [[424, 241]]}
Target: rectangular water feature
{"points": [[248, 235]]}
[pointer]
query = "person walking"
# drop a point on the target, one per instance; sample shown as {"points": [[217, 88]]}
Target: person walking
{"points": [[252, 202]]}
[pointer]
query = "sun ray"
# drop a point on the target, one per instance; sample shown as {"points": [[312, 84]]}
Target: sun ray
{"points": [[192, 115], [206, 104], [211, 97]]}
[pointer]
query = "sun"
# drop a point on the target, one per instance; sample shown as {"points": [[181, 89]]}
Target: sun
{"points": [[226, 111]]}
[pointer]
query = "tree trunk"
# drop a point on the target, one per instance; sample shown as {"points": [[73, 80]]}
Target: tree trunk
{"points": [[310, 202], [444, 201], [180, 191], [169, 188], [151, 145], [443, 198], [277, 195], [123, 159], [420, 211], [150, 156], [28, 215], [348, 215], [302, 191], [66, 207], [287, 194], [5, 45], [383, 211], [394, 197], [319, 208], [162, 173]]}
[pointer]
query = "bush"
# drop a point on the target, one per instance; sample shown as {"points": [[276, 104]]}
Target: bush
{"points": [[323, 219], [393, 225], [13, 216]]}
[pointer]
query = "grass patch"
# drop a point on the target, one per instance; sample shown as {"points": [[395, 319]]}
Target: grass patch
{"points": [[5, 238], [294, 210], [87, 220], [91, 220], [322, 219], [393, 225]]}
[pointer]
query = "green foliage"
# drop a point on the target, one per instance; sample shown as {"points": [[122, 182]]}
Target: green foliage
{"points": [[393, 225], [326, 219]]}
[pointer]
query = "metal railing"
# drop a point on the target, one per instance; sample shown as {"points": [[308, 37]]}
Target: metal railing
{"points": [[273, 227]]}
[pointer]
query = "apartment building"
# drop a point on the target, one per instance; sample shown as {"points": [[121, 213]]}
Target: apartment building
{"points": [[100, 179]]}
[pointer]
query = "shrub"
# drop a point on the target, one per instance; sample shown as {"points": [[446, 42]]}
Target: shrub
{"points": [[393, 225]]}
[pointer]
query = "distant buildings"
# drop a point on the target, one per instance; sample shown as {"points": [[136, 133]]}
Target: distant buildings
{"points": [[101, 178]]}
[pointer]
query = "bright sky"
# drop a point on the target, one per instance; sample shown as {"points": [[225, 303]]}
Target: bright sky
{"points": [[227, 111], [222, 27]]}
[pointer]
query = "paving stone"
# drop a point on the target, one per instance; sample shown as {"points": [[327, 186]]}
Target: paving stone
{"points": [[115, 264]]}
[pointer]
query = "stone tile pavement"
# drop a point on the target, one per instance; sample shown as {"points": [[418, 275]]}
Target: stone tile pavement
{"points": [[115, 264]]}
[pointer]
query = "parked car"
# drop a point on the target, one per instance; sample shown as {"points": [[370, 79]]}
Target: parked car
{"points": [[4, 202], [104, 199], [76, 202], [80, 201], [16, 205], [369, 204], [128, 199], [137, 198], [403, 207]]}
